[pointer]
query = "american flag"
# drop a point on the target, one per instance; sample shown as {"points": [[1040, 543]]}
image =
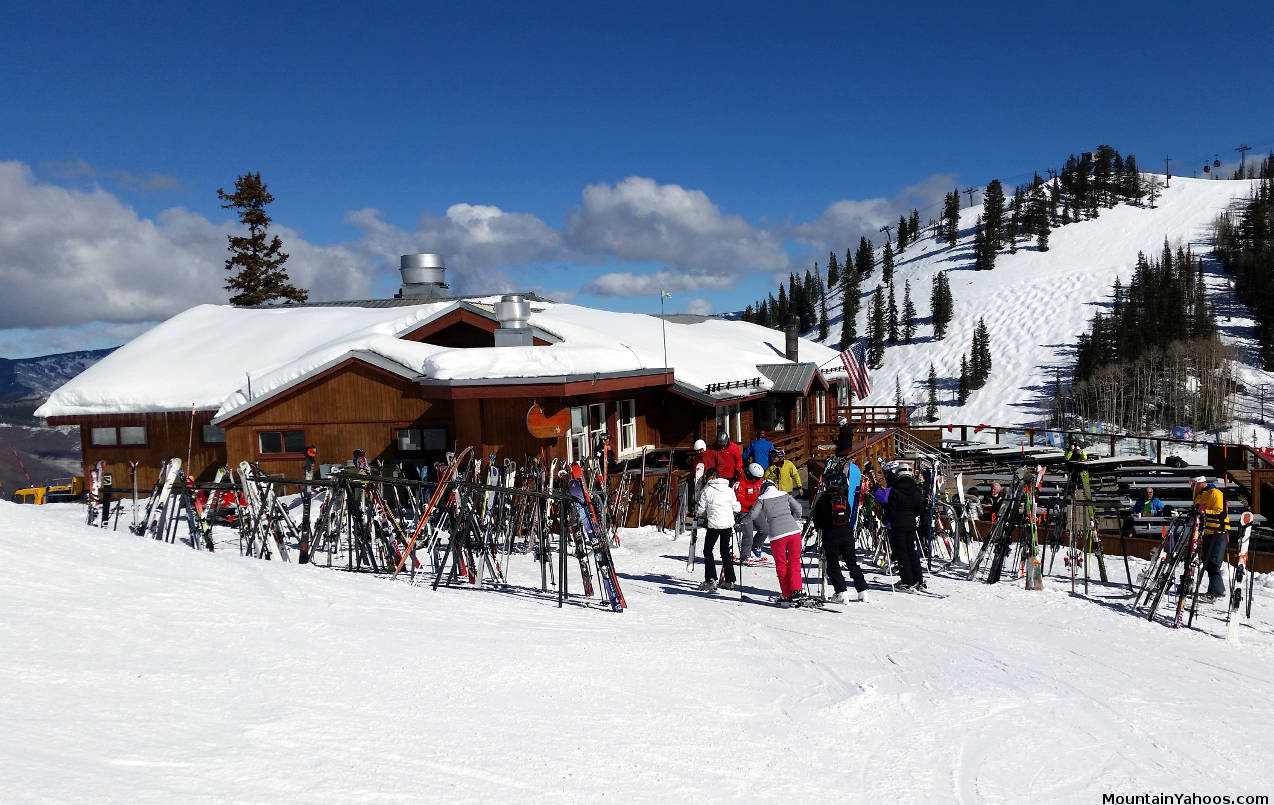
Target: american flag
{"points": [[855, 360]]}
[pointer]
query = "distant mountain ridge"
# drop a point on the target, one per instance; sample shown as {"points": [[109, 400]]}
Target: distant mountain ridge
{"points": [[36, 378]]}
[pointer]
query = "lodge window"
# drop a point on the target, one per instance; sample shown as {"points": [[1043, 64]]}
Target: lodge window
{"points": [[214, 435], [597, 422], [627, 416], [820, 406], [842, 394], [418, 440], [798, 414], [728, 420], [276, 442], [123, 435], [577, 439]]}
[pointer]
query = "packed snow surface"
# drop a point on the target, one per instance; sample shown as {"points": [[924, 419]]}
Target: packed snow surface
{"points": [[137, 671]]}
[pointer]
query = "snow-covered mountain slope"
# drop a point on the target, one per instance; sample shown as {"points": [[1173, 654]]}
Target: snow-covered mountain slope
{"points": [[137, 671], [1037, 304], [36, 378]]}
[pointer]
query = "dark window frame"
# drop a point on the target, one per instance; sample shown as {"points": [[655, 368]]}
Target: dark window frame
{"points": [[284, 453], [118, 440]]}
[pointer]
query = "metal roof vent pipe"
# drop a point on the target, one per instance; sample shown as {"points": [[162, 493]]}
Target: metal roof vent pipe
{"points": [[514, 315], [793, 322], [423, 275]]}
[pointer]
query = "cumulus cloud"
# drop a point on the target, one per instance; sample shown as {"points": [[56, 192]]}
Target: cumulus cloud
{"points": [[629, 284], [844, 222], [79, 169], [639, 219], [73, 257], [699, 307]]}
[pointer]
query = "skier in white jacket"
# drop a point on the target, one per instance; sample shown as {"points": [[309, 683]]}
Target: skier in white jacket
{"points": [[718, 503]]}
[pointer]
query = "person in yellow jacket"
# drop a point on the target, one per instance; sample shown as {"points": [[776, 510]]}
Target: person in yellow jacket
{"points": [[1216, 534], [784, 474]]}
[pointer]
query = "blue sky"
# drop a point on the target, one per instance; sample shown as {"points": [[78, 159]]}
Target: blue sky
{"points": [[591, 152]]}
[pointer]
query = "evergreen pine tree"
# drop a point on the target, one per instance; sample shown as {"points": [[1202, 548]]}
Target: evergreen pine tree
{"points": [[993, 217], [891, 314], [940, 305], [980, 246], [833, 272], [823, 326], [887, 264], [913, 224], [256, 260], [962, 391], [876, 330], [904, 235], [932, 412], [865, 258], [951, 217], [897, 391], [908, 314]]}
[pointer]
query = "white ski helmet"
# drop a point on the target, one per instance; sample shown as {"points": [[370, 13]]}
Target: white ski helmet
{"points": [[700, 444], [902, 469], [755, 471]]}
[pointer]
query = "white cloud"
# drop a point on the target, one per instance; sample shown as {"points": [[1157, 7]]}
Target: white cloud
{"points": [[629, 284], [638, 219], [700, 307], [79, 169], [842, 224]]}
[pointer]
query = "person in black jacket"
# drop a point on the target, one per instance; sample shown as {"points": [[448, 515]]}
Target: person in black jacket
{"points": [[844, 437], [832, 515], [905, 506]]}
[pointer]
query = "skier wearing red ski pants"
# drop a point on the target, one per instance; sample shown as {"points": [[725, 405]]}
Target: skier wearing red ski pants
{"points": [[777, 514]]}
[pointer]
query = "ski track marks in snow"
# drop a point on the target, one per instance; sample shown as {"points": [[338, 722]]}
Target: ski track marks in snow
{"points": [[147, 672]]}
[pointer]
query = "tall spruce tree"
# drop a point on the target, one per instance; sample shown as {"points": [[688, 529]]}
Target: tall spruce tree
{"points": [[951, 217], [940, 305], [993, 217], [887, 264], [833, 272], [891, 315], [865, 258], [904, 234], [932, 412], [908, 314], [962, 390], [876, 330], [256, 260]]}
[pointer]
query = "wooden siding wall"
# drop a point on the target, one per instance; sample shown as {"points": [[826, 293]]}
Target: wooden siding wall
{"points": [[167, 435], [355, 407]]}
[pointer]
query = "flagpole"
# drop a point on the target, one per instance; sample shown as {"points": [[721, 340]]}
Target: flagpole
{"points": [[663, 323]]}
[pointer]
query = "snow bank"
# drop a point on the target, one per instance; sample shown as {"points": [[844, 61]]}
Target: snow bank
{"points": [[144, 672]]}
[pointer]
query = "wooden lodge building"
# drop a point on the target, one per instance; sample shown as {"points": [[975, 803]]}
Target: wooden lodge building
{"points": [[409, 378]]}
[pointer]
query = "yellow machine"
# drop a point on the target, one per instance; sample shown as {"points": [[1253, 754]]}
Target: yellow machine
{"points": [[59, 490]]}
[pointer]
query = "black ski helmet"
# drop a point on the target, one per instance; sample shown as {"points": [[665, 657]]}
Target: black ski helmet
{"points": [[723, 438]]}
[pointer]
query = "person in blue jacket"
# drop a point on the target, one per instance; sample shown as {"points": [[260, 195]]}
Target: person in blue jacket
{"points": [[759, 450], [1151, 505]]}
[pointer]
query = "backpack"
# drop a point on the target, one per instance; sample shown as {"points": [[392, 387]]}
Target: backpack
{"points": [[839, 505]]}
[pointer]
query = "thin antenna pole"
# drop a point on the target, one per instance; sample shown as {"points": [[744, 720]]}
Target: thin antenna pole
{"points": [[663, 323]]}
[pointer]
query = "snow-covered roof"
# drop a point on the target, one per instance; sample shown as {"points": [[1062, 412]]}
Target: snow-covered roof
{"points": [[223, 358]]}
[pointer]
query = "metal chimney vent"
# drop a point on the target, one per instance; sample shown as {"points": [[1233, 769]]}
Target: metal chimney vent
{"points": [[423, 276], [514, 315]]}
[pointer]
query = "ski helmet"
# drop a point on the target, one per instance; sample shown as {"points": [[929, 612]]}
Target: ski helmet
{"points": [[755, 471], [723, 438], [700, 444], [903, 469]]}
